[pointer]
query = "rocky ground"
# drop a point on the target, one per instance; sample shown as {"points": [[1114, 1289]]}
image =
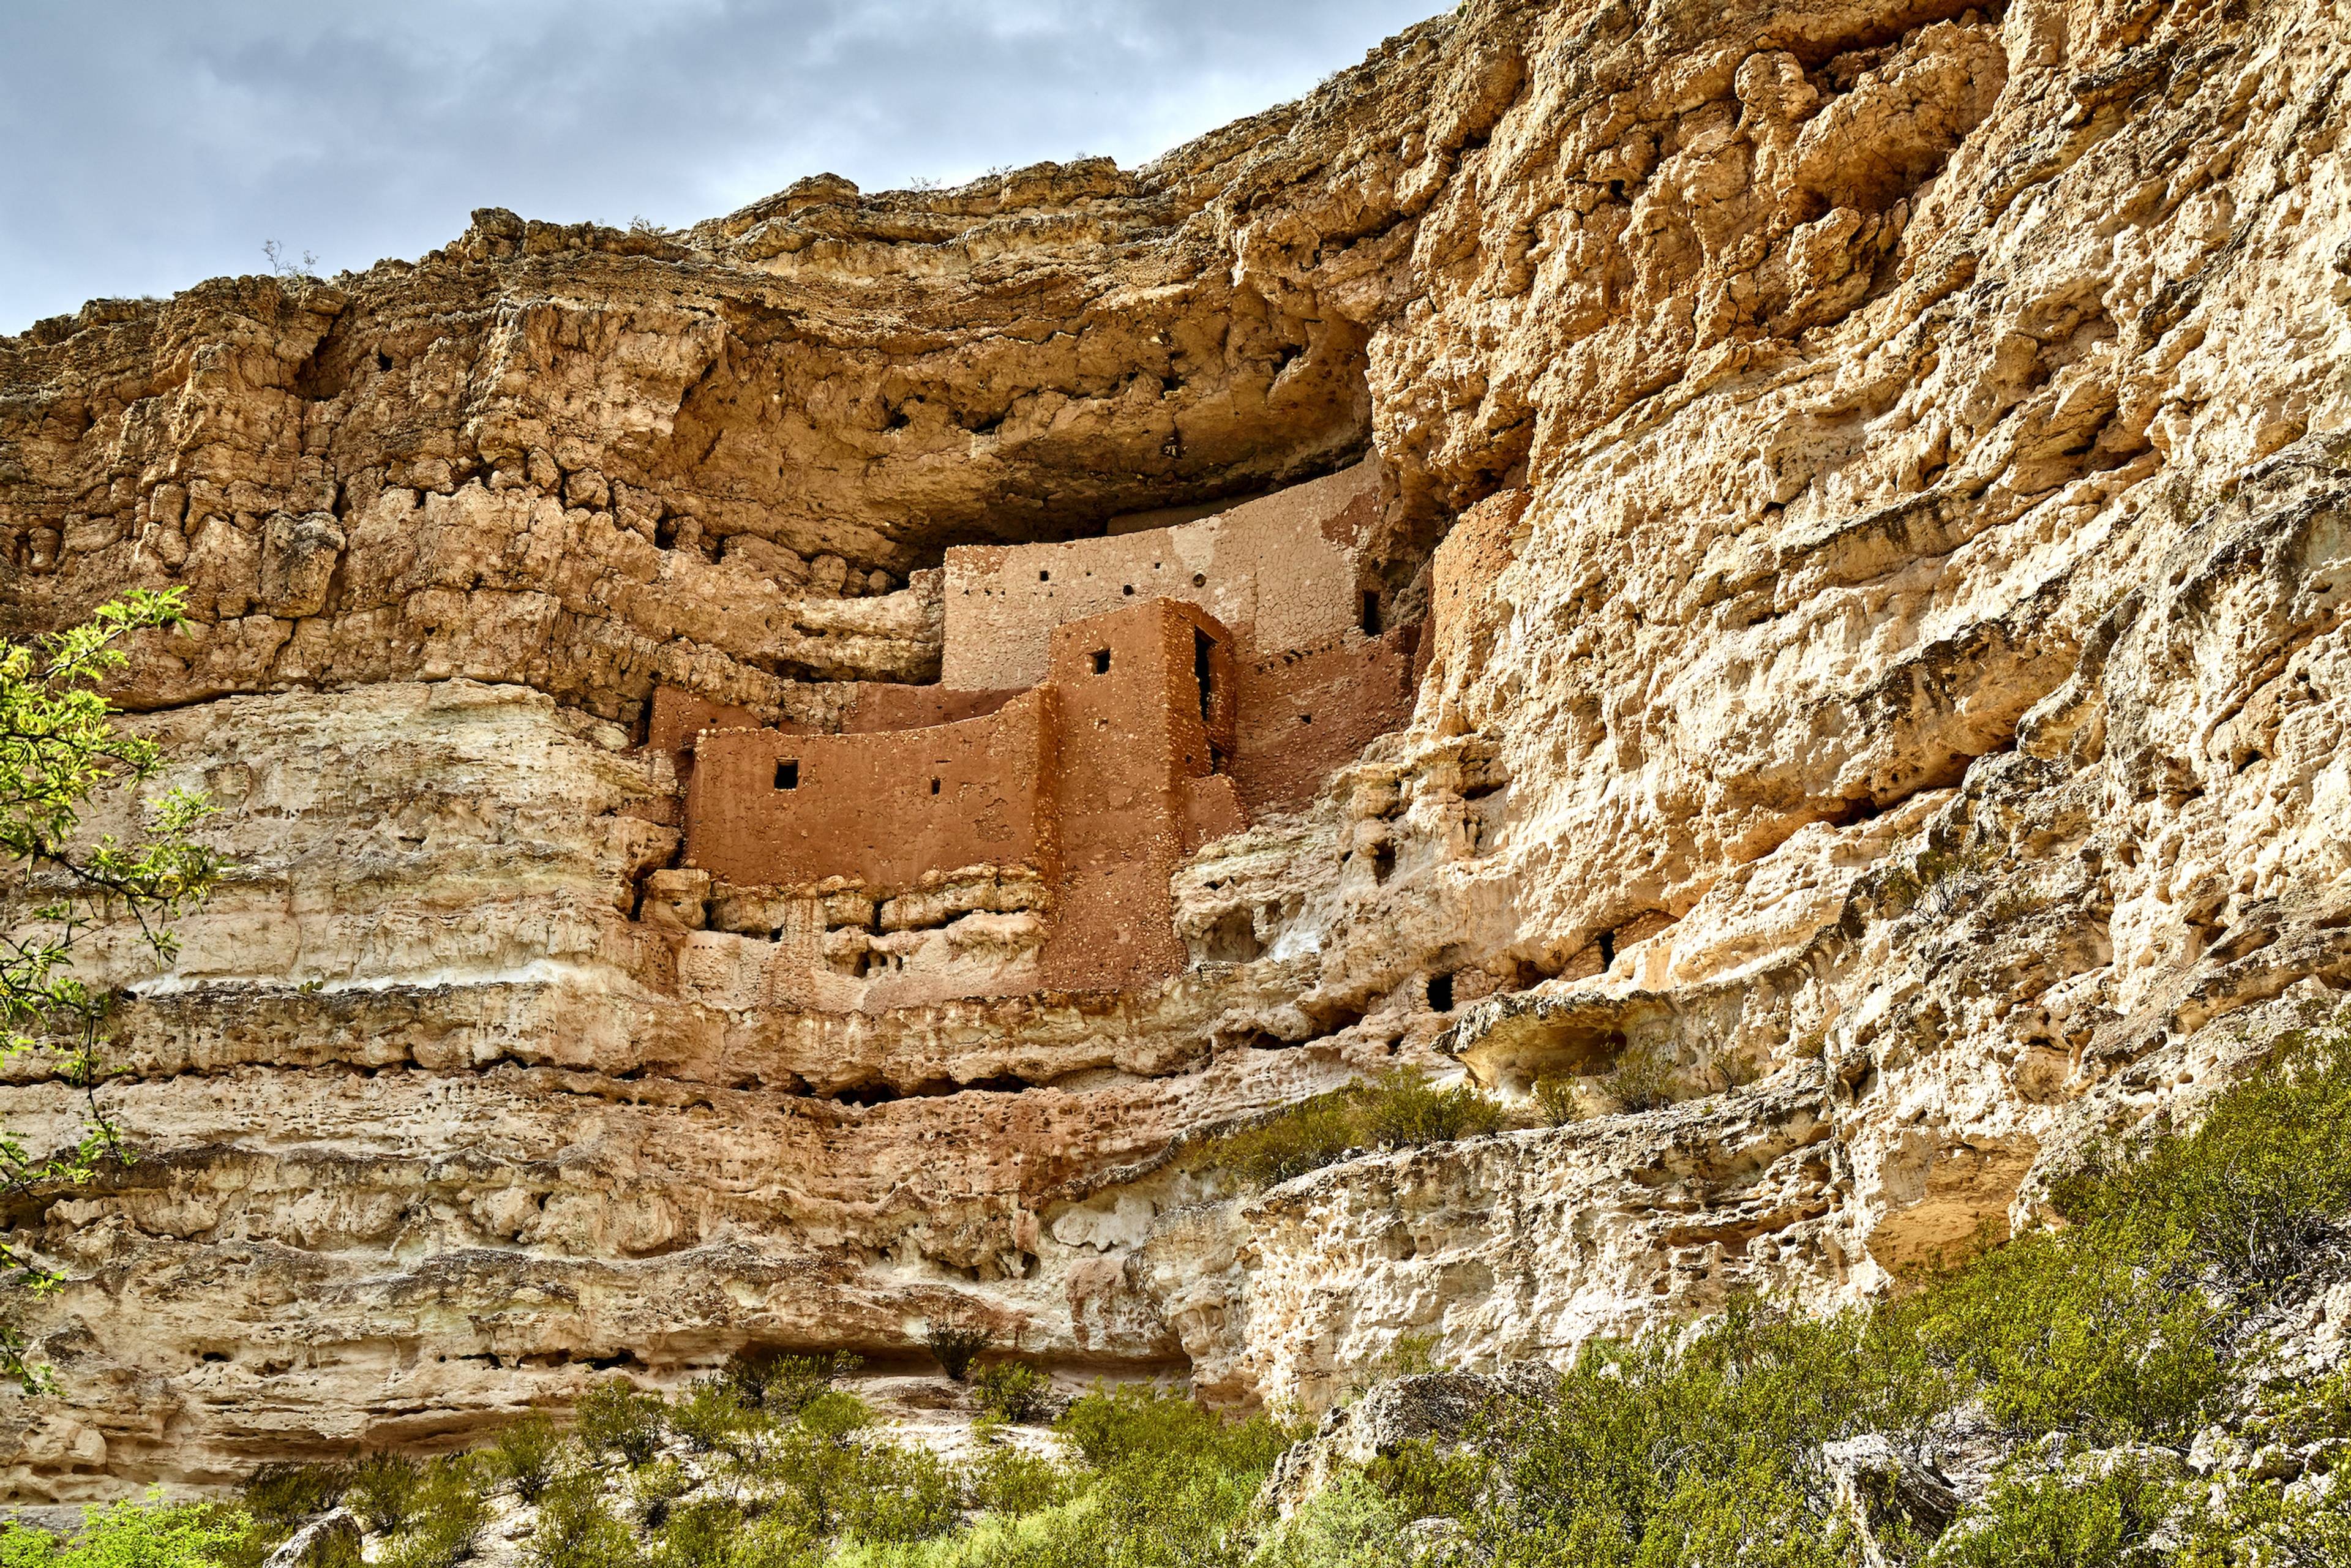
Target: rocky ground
{"points": [[1875, 474]]}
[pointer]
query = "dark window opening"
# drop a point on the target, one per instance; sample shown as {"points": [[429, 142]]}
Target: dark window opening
{"points": [[935, 786], [1102, 661], [383, 360], [1128, 589], [1204, 671], [1044, 577], [1607, 948], [788, 774], [1440, 993], [1371, 614]]}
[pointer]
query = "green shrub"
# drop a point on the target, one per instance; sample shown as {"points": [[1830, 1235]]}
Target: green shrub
{"points": [[1405, 1111], [384, 1490], [654, 1487], [1558, 1101], [1010, 1481], [1398, 1110], [1011, 1391], [149, 1534], [1642, 1079], [577, 1530], [1347, 1524], [835, 1415], [955, 1343], [1312, 1134], [446, 1518], [709, 1413], [2061, 1521], [289, 1494], [613, 1415], [775, 1381], [525, 1456]]}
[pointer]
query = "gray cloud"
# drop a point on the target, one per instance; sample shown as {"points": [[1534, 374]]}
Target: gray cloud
{"points": [[155, 142]]}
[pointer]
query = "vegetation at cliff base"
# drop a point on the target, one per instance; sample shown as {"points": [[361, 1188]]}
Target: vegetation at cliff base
{"points": [[2101, 1395], [60, 754]]}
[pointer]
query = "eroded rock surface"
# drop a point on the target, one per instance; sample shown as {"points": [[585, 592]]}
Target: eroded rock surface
{"points": [[1872, 483]]}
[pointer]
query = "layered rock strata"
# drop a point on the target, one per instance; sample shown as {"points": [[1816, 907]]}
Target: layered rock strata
{"points": [[1871, 480]]}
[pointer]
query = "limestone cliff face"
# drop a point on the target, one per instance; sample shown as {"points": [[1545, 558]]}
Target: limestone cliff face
{"points": [[1873, 477]]}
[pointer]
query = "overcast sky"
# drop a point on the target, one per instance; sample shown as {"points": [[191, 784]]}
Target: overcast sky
{"points": [[151, 143]]}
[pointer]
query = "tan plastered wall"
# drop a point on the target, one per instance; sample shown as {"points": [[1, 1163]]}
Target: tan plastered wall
{"points": [[1279, 573]]}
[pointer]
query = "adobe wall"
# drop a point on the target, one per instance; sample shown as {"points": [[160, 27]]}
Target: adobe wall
{"points": [[1135, 776], [1279, 573], [879, 807], [1304, 714]]}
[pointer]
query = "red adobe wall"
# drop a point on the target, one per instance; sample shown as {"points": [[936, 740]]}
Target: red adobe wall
{"points": [[1304, 714], [1134, 784], [883, 809]]}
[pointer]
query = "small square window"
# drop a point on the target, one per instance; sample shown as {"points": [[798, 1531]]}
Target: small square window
{"points": [[788, 774], [1102, 661], [1044, 577], [935, 786]]}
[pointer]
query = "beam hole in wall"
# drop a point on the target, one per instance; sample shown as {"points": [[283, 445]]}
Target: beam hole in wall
{"points": [[1199, 580], [788, 774], [1440, 993], [1129, 588], [1044, 577], [1102, 661]]}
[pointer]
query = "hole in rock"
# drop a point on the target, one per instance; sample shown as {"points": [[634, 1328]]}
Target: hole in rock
{"points": [[1440, 993], [1044, 577], [788, 774], [1607, 948], [1128, 589], [1102, 661], [867, 1095], [1199, 580], [935, 786], [1383, 863], [383, 360], [1306, 719], [1371, 614]]}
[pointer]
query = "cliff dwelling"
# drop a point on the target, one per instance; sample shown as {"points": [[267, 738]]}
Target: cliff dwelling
{"points": [[1105, 707]]}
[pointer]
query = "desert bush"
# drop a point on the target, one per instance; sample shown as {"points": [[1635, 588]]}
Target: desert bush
{"points": [[1012, 1481], [1641, 1079], [1398, 1110], [1404, 1111], [2061, 1521], [654, 1489], [384, 1490], [149, 1534], [708, 1414], [1011, 1390], [1558, 1101], [776, 1381], [613, 1415], [575, 1529], [446, 1516], [289, 1494], [955, 1343], [1347, 1524], [525, 1456]]}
